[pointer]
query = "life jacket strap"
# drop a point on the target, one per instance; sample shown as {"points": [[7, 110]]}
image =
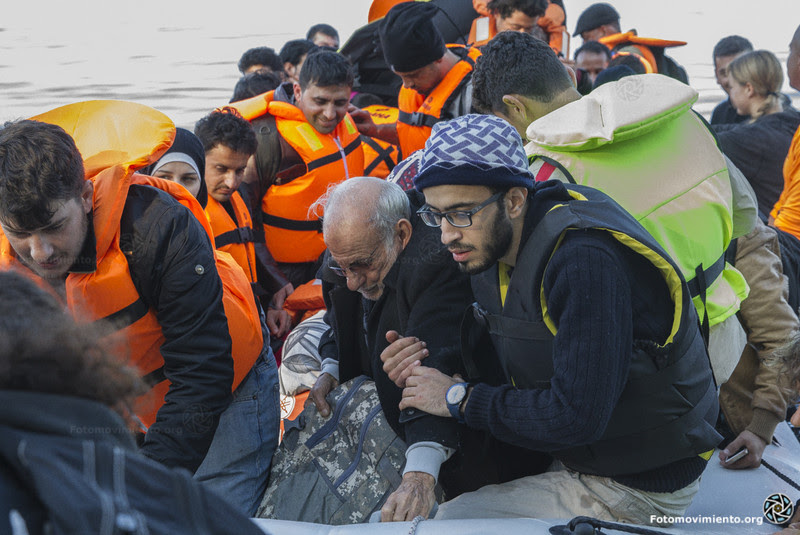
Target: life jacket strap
{"points": [[292, 224], [154, 377], [384, 155], [123, 318], [334, 157], [237, 235], [698, 285], [417, 119]]}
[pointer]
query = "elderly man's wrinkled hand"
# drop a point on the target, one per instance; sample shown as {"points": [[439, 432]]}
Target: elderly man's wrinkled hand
{"points": [[325, 383], [414, 497], [401, 356]]}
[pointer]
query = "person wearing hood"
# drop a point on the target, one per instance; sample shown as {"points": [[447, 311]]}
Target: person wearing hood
{"points": [[185, 163]]}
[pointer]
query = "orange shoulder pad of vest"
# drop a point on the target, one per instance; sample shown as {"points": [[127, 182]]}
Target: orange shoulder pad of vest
{"points": [[114, 132], [630, 37], [253, 107]]}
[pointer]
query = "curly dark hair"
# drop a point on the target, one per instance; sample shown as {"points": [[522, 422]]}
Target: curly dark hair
{"points": [[42, 349], [505, 8], [261, 55], [225, 127], [39, 164], [255, 83], [516, 63], [292, 51]]}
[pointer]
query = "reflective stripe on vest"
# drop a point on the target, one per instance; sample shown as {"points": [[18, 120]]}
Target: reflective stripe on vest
{"points": [[291, 234]]}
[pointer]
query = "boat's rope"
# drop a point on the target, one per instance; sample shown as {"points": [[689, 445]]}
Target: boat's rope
{"points": [[414, 523], [595, 523], [780, 474]]}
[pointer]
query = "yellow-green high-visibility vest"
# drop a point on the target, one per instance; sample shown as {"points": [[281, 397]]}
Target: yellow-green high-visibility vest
{"points": [[638, 141]]}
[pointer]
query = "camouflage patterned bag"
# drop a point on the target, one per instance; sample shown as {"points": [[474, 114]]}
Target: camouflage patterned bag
{"points": [[336, 470]]}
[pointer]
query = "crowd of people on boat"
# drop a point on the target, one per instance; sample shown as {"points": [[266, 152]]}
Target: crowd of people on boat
{"points": [[564, 289]]}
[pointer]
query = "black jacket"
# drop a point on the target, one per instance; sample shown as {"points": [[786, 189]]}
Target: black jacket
{"points": [[165, 247], [425, 296], [759, 149], [48, 441]]}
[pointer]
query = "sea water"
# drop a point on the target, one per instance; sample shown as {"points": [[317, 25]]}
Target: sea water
{"points": [[180, 56]]}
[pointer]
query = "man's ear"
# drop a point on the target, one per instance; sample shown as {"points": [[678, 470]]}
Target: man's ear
{"points": [[515, 108], [298, 92], [403, 229], [572, 75], [87, 195], [515, 201]]}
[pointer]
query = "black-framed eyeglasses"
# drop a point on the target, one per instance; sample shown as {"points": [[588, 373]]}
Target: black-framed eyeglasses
{"points": [[357, 265], [457, 218]]}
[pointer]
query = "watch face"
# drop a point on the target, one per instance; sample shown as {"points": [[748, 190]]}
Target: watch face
{"points": [[455, 394]]}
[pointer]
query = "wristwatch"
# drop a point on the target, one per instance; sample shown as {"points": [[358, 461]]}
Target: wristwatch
{"points": [[454, 396]]}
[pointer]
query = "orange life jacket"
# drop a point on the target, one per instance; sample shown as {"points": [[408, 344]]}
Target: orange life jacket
{"points": [[786, 212], [244, 320], [107, 133], [292, 234], [234, 237], [638, 45], [380, 157], [418, 114]]}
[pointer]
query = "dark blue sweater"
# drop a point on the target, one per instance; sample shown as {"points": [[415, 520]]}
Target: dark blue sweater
{"points": [[604, 299]]}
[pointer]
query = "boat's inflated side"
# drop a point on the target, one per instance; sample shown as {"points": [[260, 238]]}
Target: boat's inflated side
{"points": [[729, 501]]}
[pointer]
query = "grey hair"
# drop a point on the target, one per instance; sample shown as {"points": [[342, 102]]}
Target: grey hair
{"points": [[391, 206]]}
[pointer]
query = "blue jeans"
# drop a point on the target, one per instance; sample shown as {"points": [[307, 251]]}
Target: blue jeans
{"points": [[237, 464]]}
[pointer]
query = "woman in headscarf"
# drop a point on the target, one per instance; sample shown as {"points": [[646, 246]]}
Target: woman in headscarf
{"points": [[184, 163]]}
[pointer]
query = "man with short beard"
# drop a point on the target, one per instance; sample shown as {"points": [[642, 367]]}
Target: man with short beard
{"points": [[592, 324]]}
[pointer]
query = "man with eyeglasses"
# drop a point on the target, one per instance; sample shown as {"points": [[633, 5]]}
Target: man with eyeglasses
{"points": [[386, 275], [592, 325]]}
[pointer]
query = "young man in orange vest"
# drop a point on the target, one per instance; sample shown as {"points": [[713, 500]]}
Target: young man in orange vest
{"points": [[437, 80], [317, 145], [229, 142], [129, 257]]}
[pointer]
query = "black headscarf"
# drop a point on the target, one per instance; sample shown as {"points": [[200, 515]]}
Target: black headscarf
{"points": [[186, 144]]}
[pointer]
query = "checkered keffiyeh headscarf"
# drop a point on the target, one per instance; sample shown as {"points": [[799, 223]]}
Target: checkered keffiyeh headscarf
{"points": [[474, 150]]}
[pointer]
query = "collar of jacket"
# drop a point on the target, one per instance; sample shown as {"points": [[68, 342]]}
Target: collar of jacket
{"points": [[40, 412]]}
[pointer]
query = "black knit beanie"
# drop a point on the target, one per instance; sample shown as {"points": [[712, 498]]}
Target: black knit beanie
{"points": [[408, 37]]}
